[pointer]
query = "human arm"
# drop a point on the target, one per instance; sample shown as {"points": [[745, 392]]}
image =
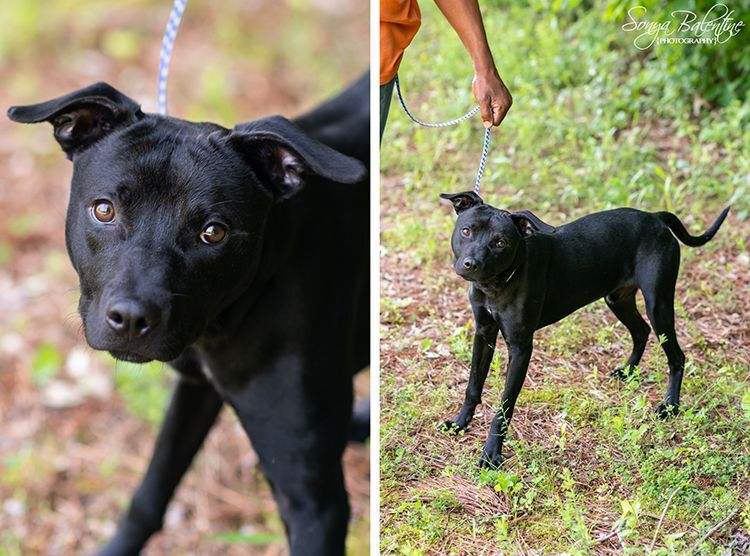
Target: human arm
{"points": [[489, 90]]}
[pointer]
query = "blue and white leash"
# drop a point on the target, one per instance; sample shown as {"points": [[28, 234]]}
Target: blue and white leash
{"points": [[167, 44], [469, 114]]}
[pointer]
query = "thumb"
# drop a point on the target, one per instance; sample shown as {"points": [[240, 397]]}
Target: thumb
{"points": [[485, 109]]}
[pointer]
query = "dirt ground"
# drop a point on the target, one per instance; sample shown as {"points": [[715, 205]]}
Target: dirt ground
{"points": [[76, 431]]}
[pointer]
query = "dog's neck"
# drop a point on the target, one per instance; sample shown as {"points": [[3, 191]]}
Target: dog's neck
{"points": [[499, 283], [281, 238]]}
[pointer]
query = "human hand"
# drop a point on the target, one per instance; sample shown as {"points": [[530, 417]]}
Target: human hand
{"points": [[492, 96]]}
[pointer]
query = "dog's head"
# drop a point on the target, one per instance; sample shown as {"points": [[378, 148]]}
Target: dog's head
{"points": [[486, 241], [167, 218]]}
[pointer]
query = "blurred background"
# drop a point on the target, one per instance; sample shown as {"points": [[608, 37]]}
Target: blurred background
{"points": [[76, 429], [596, 123]]}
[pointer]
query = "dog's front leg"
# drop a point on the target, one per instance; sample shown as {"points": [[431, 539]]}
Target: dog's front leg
{"points": [[297, 416], [192, 411], [519, 355], [485, 337]]}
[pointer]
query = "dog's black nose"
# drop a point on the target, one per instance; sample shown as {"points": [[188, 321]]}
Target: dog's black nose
{"points": [[135, 318], [470, 264]]}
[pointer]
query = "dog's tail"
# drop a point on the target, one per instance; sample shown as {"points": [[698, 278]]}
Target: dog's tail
{"points": [[679, 231]]}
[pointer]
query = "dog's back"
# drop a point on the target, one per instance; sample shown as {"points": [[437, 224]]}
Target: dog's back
{"points": [[597, 254], [343, 122]]}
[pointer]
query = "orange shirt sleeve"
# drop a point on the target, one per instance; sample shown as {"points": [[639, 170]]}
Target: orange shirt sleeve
{"points": [[399, 22]]}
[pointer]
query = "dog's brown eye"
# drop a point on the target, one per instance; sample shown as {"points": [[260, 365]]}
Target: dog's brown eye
{"points": [[500, 243], [103, 211], [466, 232], [213, 234]]}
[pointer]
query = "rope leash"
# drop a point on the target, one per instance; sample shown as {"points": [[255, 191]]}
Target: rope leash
{"points": [[167, 44], [469, 114]]}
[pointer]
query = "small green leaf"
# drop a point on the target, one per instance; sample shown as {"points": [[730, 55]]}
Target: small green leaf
{"points": [[745, 403], [121, 44], [46, 364], [248, 538]]}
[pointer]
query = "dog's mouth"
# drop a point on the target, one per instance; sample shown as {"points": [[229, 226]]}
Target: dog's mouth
{"points": [[138, 352], [133, 346], [469, 275], [481, 276], [130, 357]]}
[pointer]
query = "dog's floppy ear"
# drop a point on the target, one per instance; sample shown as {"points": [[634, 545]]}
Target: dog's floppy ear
{"points": [[529, 223], [283, 155], [82, 117], [463, 201]]}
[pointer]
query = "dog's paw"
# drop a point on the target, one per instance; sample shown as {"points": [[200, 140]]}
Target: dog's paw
{"points": [[490, 461], [623, 374], [451, 427], [667, 410]]}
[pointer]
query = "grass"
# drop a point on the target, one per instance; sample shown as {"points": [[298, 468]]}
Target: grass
{"points": [[589, 468]]}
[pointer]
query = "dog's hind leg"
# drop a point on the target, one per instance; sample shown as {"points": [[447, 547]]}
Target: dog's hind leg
{"points": [[622, 304], [659, 296], [191, 413]]}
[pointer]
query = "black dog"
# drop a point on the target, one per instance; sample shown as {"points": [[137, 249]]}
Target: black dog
{"points": [[525, 275], [241, 257]]}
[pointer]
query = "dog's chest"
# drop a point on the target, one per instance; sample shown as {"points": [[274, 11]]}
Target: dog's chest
{"points": [[229, 371], [496, 302], [514, 313]]}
